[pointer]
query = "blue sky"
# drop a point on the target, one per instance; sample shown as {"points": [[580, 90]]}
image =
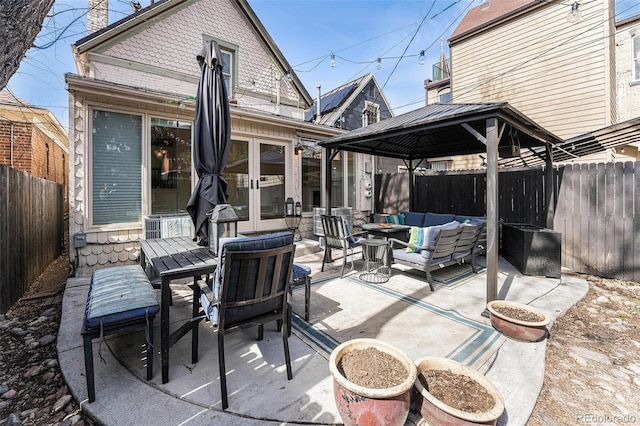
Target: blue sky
{"points": [[307, 32]]}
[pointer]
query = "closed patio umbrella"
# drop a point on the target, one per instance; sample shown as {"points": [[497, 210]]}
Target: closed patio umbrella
{"points": [[212, 139]]}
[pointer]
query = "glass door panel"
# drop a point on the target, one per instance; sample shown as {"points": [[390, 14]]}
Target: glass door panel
{"points": [[238, 181], [272, 181]]}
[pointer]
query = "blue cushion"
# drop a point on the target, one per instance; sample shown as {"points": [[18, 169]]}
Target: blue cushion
{"points": [[431, 219], [300, 271], [416, 238], [352, 242], [471, 220], [396, 219], [413, 218], [118, 294]]}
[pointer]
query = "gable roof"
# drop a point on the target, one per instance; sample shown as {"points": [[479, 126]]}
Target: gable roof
{"points": [[334, 103], [498, 10], [156, 10]]}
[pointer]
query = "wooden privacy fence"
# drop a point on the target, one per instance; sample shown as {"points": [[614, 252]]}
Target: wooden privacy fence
{"points": [[597, 209], [31, 231]]}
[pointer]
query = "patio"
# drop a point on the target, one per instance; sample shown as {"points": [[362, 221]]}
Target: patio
{"points": [[403, 312]]}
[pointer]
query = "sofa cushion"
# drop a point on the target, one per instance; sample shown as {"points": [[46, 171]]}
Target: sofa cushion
{"points": [[413, 218], [471, 220], [431, 219], [416, 238], [431, 236]]}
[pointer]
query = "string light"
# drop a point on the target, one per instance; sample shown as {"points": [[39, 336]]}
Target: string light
{"points": [[574, 15], [379, 63], [333, 60], [422, 59]]}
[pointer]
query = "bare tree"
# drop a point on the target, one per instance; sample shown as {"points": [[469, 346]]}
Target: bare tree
{"points": [[20, 23]]}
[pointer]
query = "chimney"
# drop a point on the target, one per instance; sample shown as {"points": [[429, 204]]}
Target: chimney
{"points": [[98, 15]]}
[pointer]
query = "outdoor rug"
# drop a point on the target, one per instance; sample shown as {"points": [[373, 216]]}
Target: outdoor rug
{"points": [[402, 312]]}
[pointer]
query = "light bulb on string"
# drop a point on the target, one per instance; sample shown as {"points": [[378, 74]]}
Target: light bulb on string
{"points": [[422, 59], [574, 15], [379, 64], [333, 60]]}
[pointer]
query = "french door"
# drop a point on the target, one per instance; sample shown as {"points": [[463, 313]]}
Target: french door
{"points": [[256, 175]]}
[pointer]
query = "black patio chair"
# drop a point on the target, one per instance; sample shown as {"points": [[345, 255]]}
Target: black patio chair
{"points": [[252, 284]]}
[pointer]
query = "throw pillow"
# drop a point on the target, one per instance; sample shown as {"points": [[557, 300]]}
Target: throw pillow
{"points": [[416, 238], [396, 219]]}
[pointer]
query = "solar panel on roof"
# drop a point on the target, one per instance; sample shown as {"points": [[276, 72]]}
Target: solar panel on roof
{"points": [[330, 101]]}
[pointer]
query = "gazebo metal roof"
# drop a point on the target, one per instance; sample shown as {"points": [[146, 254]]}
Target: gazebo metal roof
{"points": [[440, 130]]}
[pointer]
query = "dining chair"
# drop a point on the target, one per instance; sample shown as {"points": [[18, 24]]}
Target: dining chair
{"points": [[250, 287], [338, 235]]}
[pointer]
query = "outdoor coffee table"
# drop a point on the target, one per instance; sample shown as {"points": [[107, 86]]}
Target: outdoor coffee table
{"points": [[376, 267], [172, 259]]}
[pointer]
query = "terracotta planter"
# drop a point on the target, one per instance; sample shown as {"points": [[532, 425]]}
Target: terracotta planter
{"points": [[359, 405], [437, 413], [527, 331]]}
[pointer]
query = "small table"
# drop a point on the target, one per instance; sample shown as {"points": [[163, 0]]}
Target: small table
{"points": [[175, 258], [376, 264], [387, 230]]}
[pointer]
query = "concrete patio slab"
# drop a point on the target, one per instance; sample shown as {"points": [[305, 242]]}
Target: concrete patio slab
{"points": [[259, 392]]}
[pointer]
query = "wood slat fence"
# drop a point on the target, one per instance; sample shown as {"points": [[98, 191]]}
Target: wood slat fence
{"points": [[597, 209], [31, 231]]}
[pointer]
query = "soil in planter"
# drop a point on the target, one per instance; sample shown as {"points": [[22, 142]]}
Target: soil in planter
{"points": [[518, 314], [371, 368], [457, 391]]}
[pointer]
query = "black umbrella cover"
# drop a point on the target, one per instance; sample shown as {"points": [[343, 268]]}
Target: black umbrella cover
{"points": [[212, 139]]}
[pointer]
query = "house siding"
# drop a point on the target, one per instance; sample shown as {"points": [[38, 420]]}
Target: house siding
{"points": [[559, 78]]}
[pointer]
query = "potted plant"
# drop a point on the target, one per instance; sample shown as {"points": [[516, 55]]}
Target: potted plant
{"points": [[450, 393], [388, 375], [518, 321]]}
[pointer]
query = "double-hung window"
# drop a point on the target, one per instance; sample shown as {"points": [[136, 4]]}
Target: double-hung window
{"points": [[371, 113]]}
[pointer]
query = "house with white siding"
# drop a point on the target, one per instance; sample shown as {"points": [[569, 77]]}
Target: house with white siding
{"points": [[131, 117], [569, 71]]}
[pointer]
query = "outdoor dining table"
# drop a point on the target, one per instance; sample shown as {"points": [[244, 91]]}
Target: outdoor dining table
{"points": [[387, 230], [172, 259]]}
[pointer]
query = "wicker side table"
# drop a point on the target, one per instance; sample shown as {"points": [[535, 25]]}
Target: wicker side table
{"points": [[375, 255]]}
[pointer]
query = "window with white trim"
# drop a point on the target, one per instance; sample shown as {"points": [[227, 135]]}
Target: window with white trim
{"points": [[635, 41], [116, 161], [371, 113]]}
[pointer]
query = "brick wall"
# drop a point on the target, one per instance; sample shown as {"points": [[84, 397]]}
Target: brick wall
{"points": [[30, 153]]}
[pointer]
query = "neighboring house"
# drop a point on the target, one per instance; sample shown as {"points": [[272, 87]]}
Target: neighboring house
{"points": [[33, 140], [355, 104], [560, 72], [131, 121]]}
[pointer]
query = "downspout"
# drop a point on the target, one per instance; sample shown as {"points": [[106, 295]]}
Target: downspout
{"points": [[318, 105], [12, 166]]}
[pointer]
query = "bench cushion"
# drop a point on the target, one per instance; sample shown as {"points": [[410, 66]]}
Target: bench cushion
{"points": [[300, 271], [431, 219], [119, 294], [413, 218]]}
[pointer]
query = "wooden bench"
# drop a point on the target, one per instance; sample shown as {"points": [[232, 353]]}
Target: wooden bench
{"points": [[451, 247], [120, 299]]}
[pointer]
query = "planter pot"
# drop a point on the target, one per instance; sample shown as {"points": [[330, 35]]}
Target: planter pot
{"points": [[528, 331], [360, 405], [437, 413]]}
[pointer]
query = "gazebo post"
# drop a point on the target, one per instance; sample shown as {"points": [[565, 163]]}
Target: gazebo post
{"points": [[550, 184], [492, 209], [411, 179]]}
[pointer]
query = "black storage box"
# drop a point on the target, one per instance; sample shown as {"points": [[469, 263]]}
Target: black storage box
{"points": [[532, 249]]}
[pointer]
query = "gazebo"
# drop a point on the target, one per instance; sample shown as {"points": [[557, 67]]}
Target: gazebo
{"points": [[495, 129]]}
